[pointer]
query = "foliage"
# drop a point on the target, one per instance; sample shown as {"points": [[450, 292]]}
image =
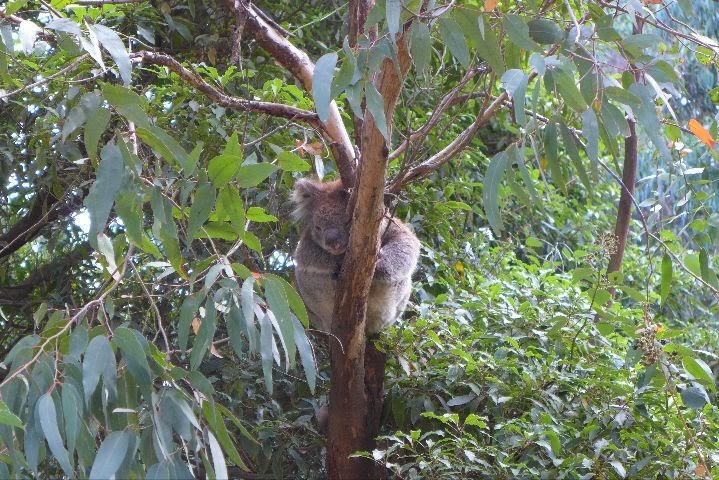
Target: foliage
{"points": [[150, 326]]}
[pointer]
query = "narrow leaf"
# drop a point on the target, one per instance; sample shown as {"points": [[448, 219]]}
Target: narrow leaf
{"points": [[202, 205], [421, 46], [112, 43], [375, 105], [48, 421], [254, 174], [492, 179], [110, 456], [666, 277], [322, 84], [102, 192], [94, 128], [452, 35]]}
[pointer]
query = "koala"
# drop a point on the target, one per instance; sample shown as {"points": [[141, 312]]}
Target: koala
{"points": [[321, 211]]}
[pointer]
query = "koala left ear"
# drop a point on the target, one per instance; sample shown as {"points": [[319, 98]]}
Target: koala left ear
{"points": [[303, 196]]}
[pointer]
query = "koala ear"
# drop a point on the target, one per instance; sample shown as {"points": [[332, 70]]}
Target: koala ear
{"points": [[303, 196]]}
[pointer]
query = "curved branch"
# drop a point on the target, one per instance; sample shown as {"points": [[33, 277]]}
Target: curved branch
{"points": [[194, 79], [302, 68], [45, 209], [447, 101]]}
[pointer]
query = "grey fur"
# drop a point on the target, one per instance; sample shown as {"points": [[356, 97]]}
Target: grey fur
{"points": [[321, 211]]}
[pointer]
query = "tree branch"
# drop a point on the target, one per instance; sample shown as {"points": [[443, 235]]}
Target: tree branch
{"points": [[194, 79], [437, 114], [302, 68], [45, 209], [53, 272]]}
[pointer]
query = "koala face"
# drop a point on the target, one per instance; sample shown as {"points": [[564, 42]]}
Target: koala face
{"points": [[330, 224], [322, 209]]}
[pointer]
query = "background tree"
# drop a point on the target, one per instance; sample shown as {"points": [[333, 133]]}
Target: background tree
{"points": [[142, 255]]}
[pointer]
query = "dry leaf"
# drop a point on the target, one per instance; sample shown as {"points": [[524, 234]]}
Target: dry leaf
{"points": [[214, 351], [701, 133], [490, 5], [654, 2], [299, 145], [196, 322], [701, 470]]}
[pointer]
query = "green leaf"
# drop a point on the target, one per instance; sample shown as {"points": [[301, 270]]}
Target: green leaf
{"points": [[277, 300], [200, 210], [695, 397], [517, 156], [646, 114], [619, 468], [99, 361], [102, 192], [72, 409], [267, 346], [163, 145], [110, 456], [698, 369], [545, 31], [9, 418], [205, 334], [707, 273], [392, 11], [217, 424], [258, 214], [218, 459], [590, 131], [307, 355], [94, 128], [322, 84], [292, 163], [247, 303], [551, 152], [112, 43], [666, 277], [375, 105], [72, 121], [518, 32], [421, 46], [570, 145], [488, 47], [135, 357], [568, 89], [223, 168], [514, 81], [254, 174], [187, 313], [623, 96], [492, 179], [347, 74], [128, 103], [453, 38], [554, 441], [48, 421]]}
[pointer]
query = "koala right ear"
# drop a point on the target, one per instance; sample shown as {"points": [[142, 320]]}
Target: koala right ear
{"points": [[303, 196]]}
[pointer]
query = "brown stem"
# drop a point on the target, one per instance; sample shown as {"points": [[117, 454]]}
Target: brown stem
{"points": [[629, 174], [302, 68], [624, 211], [356, 392]]}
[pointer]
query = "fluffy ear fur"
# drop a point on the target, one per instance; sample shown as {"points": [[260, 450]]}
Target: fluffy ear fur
{"points": [[303, 196]]}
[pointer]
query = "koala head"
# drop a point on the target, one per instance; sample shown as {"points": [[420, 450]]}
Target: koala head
{"points": [[321, 208]]}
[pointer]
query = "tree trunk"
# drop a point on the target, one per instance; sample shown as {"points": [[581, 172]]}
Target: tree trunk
{"points": [[624, 211]]}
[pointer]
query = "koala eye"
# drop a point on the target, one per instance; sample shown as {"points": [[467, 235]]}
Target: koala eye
{"points": [[317, 228]]}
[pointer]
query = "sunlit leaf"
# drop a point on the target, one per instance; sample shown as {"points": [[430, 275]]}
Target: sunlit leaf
{"points": [[701, 133]]}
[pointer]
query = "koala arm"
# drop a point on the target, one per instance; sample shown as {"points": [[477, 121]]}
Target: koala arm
{"points": [[398, 254]]}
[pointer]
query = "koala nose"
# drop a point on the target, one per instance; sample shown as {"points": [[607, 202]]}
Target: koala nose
{"points": [[335, 240]]}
